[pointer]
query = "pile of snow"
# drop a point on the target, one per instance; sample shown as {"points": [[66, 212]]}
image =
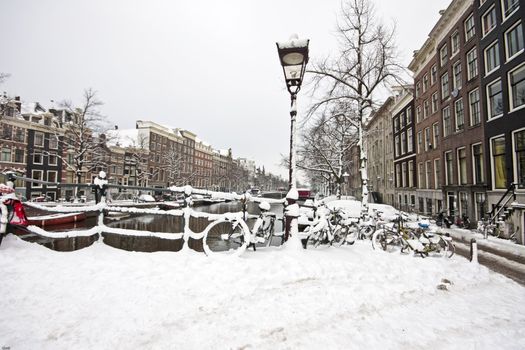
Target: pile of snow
{"points": [[330, 298], [146, 198]]}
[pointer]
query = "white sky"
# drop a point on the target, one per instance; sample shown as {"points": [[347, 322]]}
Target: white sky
{"points": [[207, 66]]}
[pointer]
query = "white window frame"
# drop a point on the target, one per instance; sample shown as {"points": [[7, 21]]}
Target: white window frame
{"points": [[503, 16], [456, 103], [489, 117], [509, 95], [470, 110], [483, 29], [457, 84], [404, 173], [492, 44], [49, 159], [491, 157], [475, 61], [474, 164], [56, 177], [443, 96], [410, 173], [34, 139], [471, 17], [419, 141], [459, 166], [447, 180], [433, 75], [428, 167], [35, 184], [435, 136], [436, 180], [427, 137], [410, 147], [435, 102], [452, 39], [41, 158], [507, 57]]}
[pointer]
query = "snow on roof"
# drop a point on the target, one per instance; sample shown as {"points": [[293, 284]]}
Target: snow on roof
{"points": [[32, 108], [224, 152], [123, 138]]}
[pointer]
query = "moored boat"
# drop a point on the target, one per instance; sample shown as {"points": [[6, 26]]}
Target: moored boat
{"points": [[56, 219]]}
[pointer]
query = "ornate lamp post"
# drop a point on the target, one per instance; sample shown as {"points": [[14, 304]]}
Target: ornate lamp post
{"points": [[293, 55]]}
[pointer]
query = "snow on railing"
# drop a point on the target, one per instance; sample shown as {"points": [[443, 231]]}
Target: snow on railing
{"points": [[186, 213]]}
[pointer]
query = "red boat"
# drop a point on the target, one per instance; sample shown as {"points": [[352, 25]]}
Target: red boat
{"points": [[56, 219]]}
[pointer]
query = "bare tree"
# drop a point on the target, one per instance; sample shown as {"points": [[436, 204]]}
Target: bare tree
{"points": [[325, 146], [77, 130], [173, 162], [365, 63]]}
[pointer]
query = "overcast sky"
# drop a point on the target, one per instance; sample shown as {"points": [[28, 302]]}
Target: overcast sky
{"points": [[207, 66]]}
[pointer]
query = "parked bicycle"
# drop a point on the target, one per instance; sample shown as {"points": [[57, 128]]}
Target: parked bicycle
{"points": [[426, 241], [332, 227], [231, 233]]}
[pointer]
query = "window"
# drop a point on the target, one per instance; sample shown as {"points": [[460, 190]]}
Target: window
{"points": [[437, 174], [509, 6], [53, 159], [460, 118], [39, 139], [404, 178], [411, 173], [410, 146], [426, 109], [418, 114], [421, 176], [495, 99], [519, 148], [472, 64], [444, 86], [37, 158], [470, 29], [491, 57], [403, 142], [447, 125], [477, 163], [19, 156], [419, 142], [488, 20], [433, 75], [434, 102], [474, 110], [435, 135], [443, 55], [53, 142], [36, 175], [499, 168], [514, 41], [457, 75], [418, 89], [398, 175], [6, 154], [428, 173], [402, 120], [517, 87], [455, 43], [425, 82], [20, 135], [397, 146], [449, 171], [52, 176], [409, 115], [396, 124], [462, 166], [428, 145]]}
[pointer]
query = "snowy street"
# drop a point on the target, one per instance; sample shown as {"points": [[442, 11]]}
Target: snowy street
{"points": [[330, 298]]}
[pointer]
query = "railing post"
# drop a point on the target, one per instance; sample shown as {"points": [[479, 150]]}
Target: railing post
{"points": [[473, 251]]}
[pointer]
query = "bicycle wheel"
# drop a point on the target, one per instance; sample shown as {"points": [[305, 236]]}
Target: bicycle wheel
{"points": [[225, 236], [314, 239], [340, 234], [379, 240], [448, 247]]}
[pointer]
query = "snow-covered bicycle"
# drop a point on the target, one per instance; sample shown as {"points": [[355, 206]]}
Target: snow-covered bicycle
{"points": [[231, 234], [332, 227]]}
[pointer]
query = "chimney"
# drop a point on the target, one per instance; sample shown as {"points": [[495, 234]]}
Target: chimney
{"points": [[441, 12], [116, 127]]}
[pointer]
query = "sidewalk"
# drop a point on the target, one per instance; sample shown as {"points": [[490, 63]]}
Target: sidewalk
{"points": [[500, 255]]}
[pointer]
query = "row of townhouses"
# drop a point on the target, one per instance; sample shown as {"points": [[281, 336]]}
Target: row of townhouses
{"points": [[454, 140], [35, 143]]}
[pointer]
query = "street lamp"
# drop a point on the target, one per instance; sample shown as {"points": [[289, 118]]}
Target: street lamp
{"points": [[293, 55]]}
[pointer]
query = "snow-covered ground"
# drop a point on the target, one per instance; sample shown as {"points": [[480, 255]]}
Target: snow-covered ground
{"points": [[330, 298]]}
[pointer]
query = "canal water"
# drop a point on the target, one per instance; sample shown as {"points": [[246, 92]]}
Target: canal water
{"points": [[152, 223]]}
